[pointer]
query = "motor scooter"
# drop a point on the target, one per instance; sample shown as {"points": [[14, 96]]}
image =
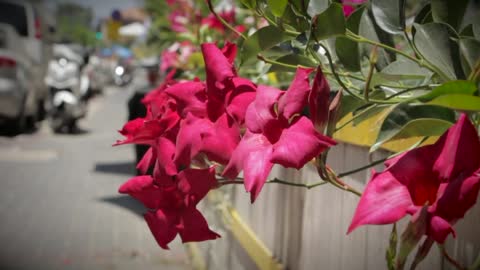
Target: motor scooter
{"points": [[68, 89]]}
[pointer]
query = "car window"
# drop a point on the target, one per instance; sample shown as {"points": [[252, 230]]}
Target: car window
{"points": [[14, 15]]}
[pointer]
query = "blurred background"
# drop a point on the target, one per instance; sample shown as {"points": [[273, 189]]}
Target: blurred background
{"points": [[72, 72]]}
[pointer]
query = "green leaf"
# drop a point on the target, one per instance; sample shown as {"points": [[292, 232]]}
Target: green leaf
{"points": [[370, 30], [316, 7], [330, 23], [348, 105], [425, 15], [389, 15], [292, 59], [469, 53], [471, 15], [453, 87], [458, 102], [407, 121], [292, 19], [449, 12], [369, 112], [264, 39], [277, 6], [433, 42], [392, 248], [301, 6], [413, 233], [346, 49], [467, 31], [476, 31], [402, 72]]}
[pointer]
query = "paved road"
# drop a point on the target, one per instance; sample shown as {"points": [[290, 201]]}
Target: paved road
{"points": [[59, 206]]}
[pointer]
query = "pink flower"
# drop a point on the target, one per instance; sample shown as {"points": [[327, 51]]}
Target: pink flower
{"points": [[173, 207], [169, 60], [227, 93], [444, 176], [178, 21], [349, 6], [276, 136], [213, 23], [319, 101]]}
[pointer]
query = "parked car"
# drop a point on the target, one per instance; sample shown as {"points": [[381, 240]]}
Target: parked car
{"points": [[24, 17], [19, 100]]}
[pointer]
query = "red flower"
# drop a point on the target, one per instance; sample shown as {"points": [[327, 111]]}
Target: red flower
{"points": [[276, 136], [444, 176], [212, 22], [227, 93], [349, 6], [173, 206]]}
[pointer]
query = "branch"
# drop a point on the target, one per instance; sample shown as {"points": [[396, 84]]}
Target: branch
{"points": [[450, 259], [276, 181], [376, 162], [210, 7], [350, 35]]}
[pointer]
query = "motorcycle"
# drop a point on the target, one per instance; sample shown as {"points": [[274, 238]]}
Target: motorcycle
{"points": [[122, 74], [68, 89]]}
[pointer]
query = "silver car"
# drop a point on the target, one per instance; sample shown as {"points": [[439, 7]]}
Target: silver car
{"points": [[19, 102]]}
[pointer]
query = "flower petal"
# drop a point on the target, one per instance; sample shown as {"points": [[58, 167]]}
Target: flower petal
{"points": [[439, 229], [189, 140], [143, 189], [295, 98], [194, 228], [319, 99], [196, 183], [147, 161], [459, 150], [139, 131], [165, 165], [220, 139], [457, 197], [190, 96], [299, 144], [384, 201], [413, 169], [218, 68], [238, 100], [230, 51], [162, 226], [261, 111], [253, 156]]}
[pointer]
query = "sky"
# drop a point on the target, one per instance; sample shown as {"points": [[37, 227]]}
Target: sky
{"points": [[101, 8]]}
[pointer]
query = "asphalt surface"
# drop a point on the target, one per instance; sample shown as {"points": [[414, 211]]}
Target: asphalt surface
{"points": [[59, 206]]}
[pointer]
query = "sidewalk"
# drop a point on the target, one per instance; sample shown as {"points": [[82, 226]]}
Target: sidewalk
{"points": [[62, 210]]}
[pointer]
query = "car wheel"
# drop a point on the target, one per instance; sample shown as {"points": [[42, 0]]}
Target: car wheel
{"points": [[17, 125], [56, 124], [42, 110]]}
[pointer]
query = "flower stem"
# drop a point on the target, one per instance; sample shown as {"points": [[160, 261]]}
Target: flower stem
{"points": [[276, 181], [408, 90], [450, 259], [210, 7], [342, 84], [373, 61], [376, 162], [350, 35], [335, 181]]}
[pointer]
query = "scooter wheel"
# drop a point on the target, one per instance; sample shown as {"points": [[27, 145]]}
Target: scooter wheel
{"points": [[56, 124]]}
